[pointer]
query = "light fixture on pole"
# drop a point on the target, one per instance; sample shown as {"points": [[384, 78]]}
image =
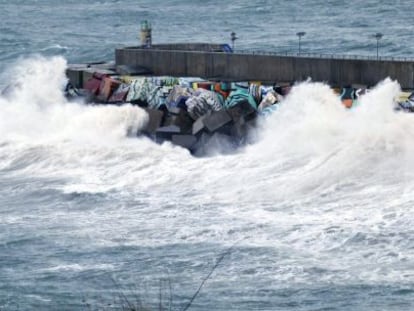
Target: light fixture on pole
{"points": [[233, 38], [378, 36], [300, 34]]}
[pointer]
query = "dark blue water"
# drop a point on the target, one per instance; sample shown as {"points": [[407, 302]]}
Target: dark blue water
{"points": [[315, 215]]}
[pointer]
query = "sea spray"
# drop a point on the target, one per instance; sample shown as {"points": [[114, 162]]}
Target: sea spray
{"points": [[320, 199], [34, 108], [309, 119], [43, 134], [313, 143]]}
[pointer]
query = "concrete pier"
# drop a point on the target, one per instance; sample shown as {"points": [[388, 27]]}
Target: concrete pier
{"points": [[180, 60]]}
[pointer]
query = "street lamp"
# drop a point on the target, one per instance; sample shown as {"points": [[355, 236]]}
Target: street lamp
{"points": [[300, 34], [233, 38], [378, 36]]}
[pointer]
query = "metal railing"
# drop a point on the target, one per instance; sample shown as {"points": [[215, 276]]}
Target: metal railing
{"points": [[293, 54], [324, 55]]}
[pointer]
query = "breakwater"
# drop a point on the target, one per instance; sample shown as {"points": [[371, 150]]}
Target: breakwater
{"points": [[270, 68]]}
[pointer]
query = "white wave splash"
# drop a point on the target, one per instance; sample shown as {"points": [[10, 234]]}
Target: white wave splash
{"points": [[319, 184], [311, 143], [34, 108], [315, 132]]}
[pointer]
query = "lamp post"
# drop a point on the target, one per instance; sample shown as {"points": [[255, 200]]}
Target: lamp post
{"points": [[233, 38], [378, 36], [300, 34]]}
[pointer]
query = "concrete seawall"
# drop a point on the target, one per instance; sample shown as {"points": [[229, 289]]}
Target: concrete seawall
{"points": [[271, 68]]}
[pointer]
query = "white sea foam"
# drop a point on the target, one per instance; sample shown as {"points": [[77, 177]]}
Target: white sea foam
{"points": [[78, 267], [34, 108], [311, 144], [328, 189]]}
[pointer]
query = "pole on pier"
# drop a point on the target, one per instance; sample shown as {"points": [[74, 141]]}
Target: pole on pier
{"points": [[378, 36], [233, 38], [300, 34]]}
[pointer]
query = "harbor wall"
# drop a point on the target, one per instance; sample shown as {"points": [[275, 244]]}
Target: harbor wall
{"points": [[270, 68]]}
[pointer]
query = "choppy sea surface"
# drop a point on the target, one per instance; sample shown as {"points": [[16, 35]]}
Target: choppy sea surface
{"points": [[315, 214]]}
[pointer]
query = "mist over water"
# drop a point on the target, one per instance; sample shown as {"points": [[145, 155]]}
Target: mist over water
{"points": [[317, 208]]}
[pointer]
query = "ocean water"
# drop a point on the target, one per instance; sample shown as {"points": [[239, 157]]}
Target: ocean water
{"points": [[314, 214]]}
